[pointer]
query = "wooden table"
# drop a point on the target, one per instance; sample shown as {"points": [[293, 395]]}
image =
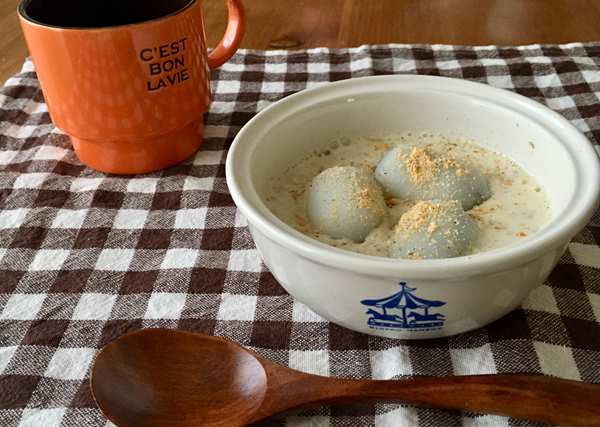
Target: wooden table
{"points": [[292, 24]]}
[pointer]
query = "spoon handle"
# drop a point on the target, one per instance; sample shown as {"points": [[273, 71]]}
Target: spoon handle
{"points": [[532, 397]]}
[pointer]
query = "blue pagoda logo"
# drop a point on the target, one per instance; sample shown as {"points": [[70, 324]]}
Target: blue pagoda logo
{"points": [[404, 310]]}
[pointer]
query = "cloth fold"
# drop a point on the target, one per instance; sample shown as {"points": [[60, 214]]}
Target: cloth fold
{"points": [[86, 257]]}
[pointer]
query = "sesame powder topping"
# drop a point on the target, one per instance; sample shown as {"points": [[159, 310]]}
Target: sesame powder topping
{"points": [[420, 165], [424, 216], [423, 168]]}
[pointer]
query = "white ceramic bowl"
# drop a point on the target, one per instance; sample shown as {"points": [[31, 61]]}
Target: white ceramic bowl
{"points": [[364, 293]]}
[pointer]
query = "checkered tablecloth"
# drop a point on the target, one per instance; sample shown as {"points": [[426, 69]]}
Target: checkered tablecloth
{"points": [[86, 257]]}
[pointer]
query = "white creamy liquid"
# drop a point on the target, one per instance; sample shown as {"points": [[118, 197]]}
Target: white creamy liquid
{"points": [[517, 208]]}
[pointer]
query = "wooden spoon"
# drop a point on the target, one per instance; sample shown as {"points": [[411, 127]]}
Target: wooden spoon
{"points": [[161, 377]]}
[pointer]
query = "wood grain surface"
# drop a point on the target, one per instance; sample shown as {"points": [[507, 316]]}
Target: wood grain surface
{"points": [[293, 24]]}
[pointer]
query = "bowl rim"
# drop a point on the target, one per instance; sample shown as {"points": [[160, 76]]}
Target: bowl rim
{"points": [[554, 235]]}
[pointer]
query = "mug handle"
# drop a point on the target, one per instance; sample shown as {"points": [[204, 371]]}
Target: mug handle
{"points": [[230, 42]]}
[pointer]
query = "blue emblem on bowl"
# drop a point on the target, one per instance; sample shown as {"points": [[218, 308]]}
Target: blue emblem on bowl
{"points": [[404, 310]]}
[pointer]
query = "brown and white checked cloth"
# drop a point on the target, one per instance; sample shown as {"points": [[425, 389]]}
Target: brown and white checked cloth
{"points": [[86, 257]]}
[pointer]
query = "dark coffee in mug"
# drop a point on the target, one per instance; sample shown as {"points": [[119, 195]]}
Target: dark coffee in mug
{"points": [[98, 13]]}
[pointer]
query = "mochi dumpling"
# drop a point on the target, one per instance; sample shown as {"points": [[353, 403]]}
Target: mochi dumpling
{"points": [[432, 230], [417, 174], [345, 202]]}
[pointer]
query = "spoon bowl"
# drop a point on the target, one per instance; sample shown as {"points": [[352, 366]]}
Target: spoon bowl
{"points": [[135, 379], [161, 377]]}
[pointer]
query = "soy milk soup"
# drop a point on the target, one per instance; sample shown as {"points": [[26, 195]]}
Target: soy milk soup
{"points": [[516, 208]]}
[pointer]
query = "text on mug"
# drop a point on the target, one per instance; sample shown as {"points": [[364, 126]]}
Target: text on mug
{"points": [[167, 60]]}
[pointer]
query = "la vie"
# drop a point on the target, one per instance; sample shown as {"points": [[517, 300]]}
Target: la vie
{"points": [[168, 80]]}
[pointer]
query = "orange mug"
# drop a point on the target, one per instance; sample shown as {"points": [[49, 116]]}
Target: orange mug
{"points": [[127, 80]]}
